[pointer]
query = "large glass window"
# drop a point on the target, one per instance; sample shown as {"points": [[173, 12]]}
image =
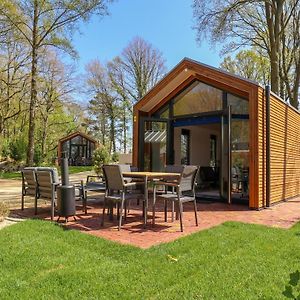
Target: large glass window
{"points": [[198, 98], [165, 113], [238, 105], [240, 155]]}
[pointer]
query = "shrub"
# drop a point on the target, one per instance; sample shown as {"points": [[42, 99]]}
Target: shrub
{"points": [[4, 148], [17, 149], [4, 211], [115, 157], [37, 157], [100, 157]]}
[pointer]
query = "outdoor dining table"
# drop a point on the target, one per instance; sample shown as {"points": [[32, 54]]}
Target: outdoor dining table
{"points": [[147, 177]]}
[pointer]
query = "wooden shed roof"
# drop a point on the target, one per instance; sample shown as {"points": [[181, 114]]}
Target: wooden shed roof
{"points": [[77, 133]]}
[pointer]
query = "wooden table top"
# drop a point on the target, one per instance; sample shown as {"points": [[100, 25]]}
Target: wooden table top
{"points": [[150, 174]]}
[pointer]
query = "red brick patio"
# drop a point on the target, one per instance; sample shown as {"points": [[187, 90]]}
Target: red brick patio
{"points": [[283, 215]]}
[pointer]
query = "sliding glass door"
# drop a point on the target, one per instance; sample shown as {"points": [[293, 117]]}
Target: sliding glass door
{"points": [[225, 187], [154, 144]]}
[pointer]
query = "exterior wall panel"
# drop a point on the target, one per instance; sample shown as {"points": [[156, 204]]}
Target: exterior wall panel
{"points": [[285, 150], [261, 148]]}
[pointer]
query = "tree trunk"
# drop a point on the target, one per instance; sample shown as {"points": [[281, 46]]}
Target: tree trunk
{"points": [[273, 16], [124, 131], [294, 100], [103, 129], [113, 139], [44, 137], [112, 134], [33, 88]]}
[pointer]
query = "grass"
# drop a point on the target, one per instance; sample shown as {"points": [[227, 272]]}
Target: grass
{"points": [[41, 260], [72, 170], [10, 175], [78, 169]]}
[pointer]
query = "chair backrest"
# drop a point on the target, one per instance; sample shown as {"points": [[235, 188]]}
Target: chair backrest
{"points": [[29, 181], [126, 168], [53, 172], [113, 177], [45, 183], [188, 178], [174, 168]]}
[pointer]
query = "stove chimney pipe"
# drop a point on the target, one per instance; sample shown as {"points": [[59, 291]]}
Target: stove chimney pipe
{"points": [[65, 192], [64, 169]]}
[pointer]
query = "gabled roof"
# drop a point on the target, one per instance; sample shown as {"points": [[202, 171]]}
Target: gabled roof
{"points": [[77, 133], [222, 71], [186, 71]]}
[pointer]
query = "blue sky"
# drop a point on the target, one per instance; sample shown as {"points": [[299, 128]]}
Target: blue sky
{"points": [[166, 24]]}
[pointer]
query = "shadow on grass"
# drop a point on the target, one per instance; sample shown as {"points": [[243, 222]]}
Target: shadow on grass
{"points": [[292, 289]]}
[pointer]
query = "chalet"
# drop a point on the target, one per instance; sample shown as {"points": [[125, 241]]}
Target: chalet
{"points": [[79, 148], [245, 139]]}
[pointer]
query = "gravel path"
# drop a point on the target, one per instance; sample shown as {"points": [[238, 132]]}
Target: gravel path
{"points": [[10, 221], [10, 189]]}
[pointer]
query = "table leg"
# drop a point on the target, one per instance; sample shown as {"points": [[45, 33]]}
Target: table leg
{"points": [[146, 201]]}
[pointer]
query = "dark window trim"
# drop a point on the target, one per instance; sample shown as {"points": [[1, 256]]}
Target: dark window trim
{"points": [[213, 137]]}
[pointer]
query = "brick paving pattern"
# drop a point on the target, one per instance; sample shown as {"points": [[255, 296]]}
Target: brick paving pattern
{"points": [[282, 215]]}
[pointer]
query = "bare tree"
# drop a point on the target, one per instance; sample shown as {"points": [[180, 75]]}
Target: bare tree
{"points": [[56, 85], [118, 82], [290, 54], [132, 75], [138, 69], [260, 23], [104, 105], [13, 81]]}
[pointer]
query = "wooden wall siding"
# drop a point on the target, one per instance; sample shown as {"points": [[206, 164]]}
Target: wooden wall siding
{"points": [[285, 151], [261, 147], [253, 149]]}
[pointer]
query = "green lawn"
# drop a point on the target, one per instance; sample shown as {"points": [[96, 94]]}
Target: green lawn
{"points": [[72, 170], [10, 175], [78, 169], [41, 260]]}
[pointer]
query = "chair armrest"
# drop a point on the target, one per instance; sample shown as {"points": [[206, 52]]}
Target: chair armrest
{"points": [[93, 176], [55, 185], [129, 184], [77, 183]]}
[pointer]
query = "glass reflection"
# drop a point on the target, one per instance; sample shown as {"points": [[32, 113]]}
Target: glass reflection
{"points": [[155, 143], [238, 105], [198, 98]]}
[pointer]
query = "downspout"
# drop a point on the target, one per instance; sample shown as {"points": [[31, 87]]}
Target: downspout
{"points": [[268, 168]]}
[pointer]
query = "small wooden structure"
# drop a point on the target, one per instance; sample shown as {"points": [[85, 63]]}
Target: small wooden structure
{"points": [[79, 148], [198, 114]]}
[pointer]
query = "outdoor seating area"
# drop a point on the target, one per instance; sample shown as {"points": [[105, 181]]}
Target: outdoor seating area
{"points": [[120, 186], [115, 206], [42, 183]]}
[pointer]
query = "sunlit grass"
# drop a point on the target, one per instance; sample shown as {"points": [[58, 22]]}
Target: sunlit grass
{"points": [[41, 260], [72, 170]]}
